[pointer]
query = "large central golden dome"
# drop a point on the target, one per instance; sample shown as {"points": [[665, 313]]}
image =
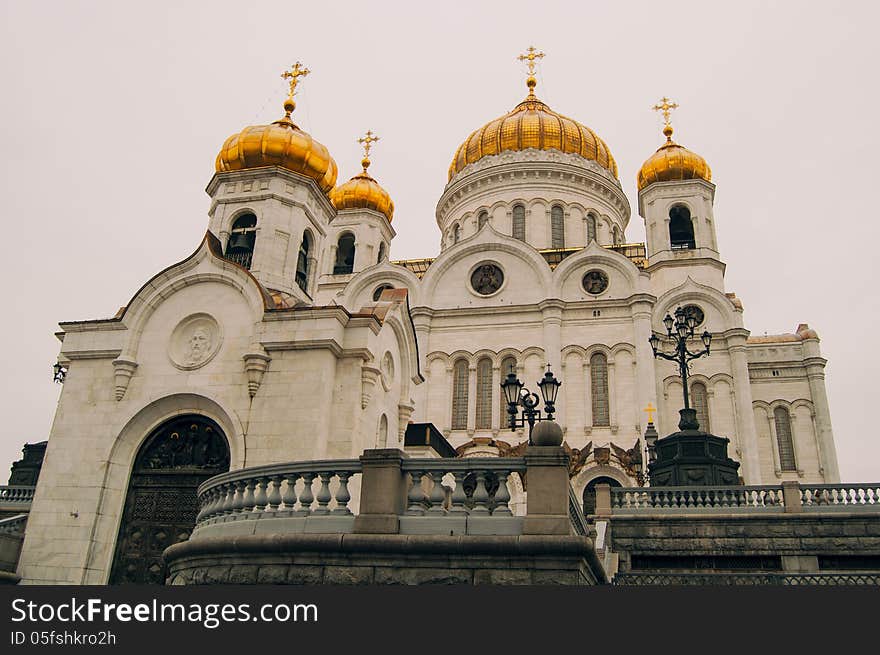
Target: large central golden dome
{"points": [[532, 124]]}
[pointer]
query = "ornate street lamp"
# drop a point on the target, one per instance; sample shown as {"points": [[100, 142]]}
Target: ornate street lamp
{"points": [[59, 372], [518, 396], [680, 329]]}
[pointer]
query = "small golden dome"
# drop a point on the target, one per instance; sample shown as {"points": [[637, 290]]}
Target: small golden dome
{"points": [[280, 144], [532, 124], [362, 192], [673, 162]]}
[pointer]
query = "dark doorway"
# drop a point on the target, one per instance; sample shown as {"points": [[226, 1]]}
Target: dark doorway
{"points": [[161, 504], [590, 492]]}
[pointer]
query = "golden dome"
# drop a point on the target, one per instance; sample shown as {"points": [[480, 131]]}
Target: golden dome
{"points": [[280, 144], [673, 162], [362, 192], [532, 124]]}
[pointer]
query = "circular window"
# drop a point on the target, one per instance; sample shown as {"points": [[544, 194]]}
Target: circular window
{"points": [[595, 282], [696, 312], [487, 279], [378, 292]]}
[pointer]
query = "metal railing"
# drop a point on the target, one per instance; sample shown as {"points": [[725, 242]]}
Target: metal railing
{"points": [[745, 579], [316, 488], [477, 486]]}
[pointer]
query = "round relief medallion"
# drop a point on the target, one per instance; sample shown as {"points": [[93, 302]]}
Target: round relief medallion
{"points": [[194, 341], [387, 368], [487, 279], [695, 311], [595, 282]]}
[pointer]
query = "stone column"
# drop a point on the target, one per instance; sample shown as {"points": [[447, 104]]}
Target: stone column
{"points": [[472, 398], [603, 500], [588, 398], [551, 322], [498, 411], [383, 492], [747, 434], [646, 383], [547, 506], [612, 397], [816, 378]]}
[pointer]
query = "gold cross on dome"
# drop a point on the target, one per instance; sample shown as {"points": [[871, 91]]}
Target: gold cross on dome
{"points": [[296, 71], [665, 106], [530, 57], [650, 409], [367, 140]]}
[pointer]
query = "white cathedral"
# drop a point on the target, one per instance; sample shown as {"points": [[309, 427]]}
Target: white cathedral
{"points": [[291, 333]]}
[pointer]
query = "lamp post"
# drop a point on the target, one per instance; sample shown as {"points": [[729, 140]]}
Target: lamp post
{"points": [[680, 329], [518, 396]]}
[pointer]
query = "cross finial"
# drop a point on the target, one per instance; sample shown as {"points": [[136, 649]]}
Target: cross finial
{"points": [[530, 58], [367, 141], [296, 71], [665, 106], [650, 409]]}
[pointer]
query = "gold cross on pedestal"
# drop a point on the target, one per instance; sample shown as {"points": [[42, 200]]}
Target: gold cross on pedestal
{"points": [[296, 71], [665, 106], [367, 141], [530, 57], [650, 409]]}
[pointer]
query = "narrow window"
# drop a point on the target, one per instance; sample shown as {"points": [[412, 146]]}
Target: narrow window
{"points": [[243, 236], [508, 364], [701, 404], [456, 234], [482, 219], [557, 227], [382, 253], [681, 228], [591, 228], [382, 437], [616, 236], [519, 222], [599, 389], [783, 439], [302, 262], [484, 394], [460, 395], [344, 255]]}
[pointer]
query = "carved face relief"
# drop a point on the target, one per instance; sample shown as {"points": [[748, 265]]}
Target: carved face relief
{"points": [[487, 279], [595, 282], [194, 341]]}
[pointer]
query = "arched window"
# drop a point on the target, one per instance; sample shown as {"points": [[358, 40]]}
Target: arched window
{"points": [[599, 389], [681, 228], [302, 262], [557, 227], [482, 219], [242, 237], [382, 437], [508, 364], [460, 395], [456, 234], [590, 493], [382, 253], [378, 292], [700, 401], [344, 255], [591, 228], [484, 394], [519, 222], [615, 235], [784, 440]]}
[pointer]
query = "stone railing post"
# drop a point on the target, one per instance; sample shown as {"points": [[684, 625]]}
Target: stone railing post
{"points": [[547, 479], [791, 496], [603, 500], [383, 492]]}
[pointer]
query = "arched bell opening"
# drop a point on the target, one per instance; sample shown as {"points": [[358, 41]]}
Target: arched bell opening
{"points": [[160, 503], [242, 238], [345, 247], [681, 229]]}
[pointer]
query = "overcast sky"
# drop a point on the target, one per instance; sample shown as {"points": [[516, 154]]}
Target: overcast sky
{"points": [[113, 113]]}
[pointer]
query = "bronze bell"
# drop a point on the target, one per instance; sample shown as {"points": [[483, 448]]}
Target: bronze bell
{"points": [[238, 242]]}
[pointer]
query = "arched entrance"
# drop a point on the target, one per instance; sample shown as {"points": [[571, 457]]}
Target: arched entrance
{"points": [[161, 504], [590, 492]]}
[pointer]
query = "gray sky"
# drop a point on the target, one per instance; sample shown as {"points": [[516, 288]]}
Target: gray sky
{"points": [[113, 112]]}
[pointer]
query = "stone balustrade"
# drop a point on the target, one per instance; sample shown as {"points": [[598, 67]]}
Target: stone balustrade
{"points": [[296, 489], [17, 496], [750, 498], [843, 496], [475, 486]]}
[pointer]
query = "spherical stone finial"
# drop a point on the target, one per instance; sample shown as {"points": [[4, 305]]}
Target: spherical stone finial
{"points": [[547, 433]]}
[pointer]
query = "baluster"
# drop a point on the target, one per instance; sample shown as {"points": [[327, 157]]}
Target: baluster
{"points": [[342, 494], [238, 500], [306, 498], [458, 495], [218, 495], [261, 497], [416, 495], [204, 504], [436, 496], [289, 495], [324, 496], [481, 495], [502, 496], [871, 496], [275, 494]]}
